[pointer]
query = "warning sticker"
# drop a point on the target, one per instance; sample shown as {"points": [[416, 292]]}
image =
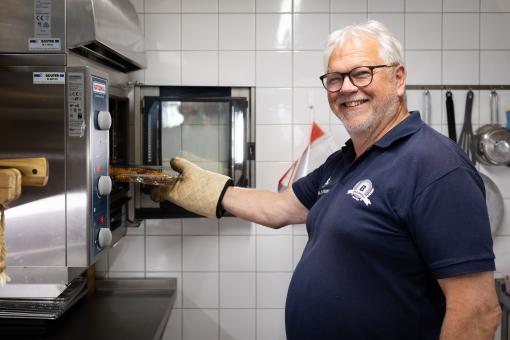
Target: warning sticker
{"points": [[42, 18], [44, 44], [49, 77], [75, 109]]}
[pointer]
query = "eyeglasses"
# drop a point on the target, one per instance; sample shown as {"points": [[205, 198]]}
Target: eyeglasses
{"points": [[359, 76]]}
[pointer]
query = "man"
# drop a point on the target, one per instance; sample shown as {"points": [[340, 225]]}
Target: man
{"points": [[399, 239]]}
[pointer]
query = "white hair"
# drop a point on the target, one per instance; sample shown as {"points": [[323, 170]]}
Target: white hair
{"points": [[390, 48]]}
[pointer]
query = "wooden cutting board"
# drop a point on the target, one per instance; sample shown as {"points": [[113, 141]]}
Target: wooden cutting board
{"points": [[34, 171], [10, 185]]}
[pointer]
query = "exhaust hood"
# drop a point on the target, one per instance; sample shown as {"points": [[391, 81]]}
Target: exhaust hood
{"points": [[107, 31]]}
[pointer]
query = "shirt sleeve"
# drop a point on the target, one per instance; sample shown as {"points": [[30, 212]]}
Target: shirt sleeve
{"points": [[306, 188], [450, 225]]}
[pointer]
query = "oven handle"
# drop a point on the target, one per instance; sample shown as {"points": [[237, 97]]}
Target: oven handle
{"points": [[238, 142]]}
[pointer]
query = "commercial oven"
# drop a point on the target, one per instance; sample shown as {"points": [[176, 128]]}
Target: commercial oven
{"points": [[210, 126], [65, 96]]}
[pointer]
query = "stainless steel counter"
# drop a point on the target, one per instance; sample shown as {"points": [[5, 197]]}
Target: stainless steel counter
{"points": [[120, 309]]}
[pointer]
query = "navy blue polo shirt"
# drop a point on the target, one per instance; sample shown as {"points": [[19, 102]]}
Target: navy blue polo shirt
{"points": [[382, 229]]}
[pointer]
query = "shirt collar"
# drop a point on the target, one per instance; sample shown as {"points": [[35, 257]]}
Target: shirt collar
{"points": [[408, 126]]}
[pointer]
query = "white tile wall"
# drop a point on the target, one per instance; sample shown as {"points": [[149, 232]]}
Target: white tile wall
{"points": [[272, 289], [492, 24], [310, 31], [162, 6], [274, 105], [307, 65], [385, 5], [237, 68], [274, 253], [348, 6], [273, 5], [243, 249], [199, 6], [311, 6], [200, 324], [200, 253], [274, 31], [163, 32], [236, 6], [237, 290], [310, 104], [422, 6], [237, 31], [233, 275], [273, 69], [415, 37], [270, 324], [199, 31], [461, 5], [461, 31], [237, 324], [200, 290]]}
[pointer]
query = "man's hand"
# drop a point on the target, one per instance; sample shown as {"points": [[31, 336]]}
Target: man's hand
{"points": [[197, 190]]}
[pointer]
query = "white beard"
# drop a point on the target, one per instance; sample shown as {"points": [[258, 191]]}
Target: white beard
{"points": [[385, 110]]}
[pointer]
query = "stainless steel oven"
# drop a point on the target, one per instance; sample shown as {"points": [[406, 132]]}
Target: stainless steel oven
{"points": [[210, 126], [65, 96]]}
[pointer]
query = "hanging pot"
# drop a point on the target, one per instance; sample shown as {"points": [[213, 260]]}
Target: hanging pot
{"points": [[495, 204], [493, 198], [492, 141]]}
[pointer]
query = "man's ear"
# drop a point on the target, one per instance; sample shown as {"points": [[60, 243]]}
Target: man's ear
{"points": [[401, 77]]}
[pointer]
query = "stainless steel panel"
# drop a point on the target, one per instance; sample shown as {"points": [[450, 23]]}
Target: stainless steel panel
{"points": [[113, 24], [33, 126], [80, 183], [17, 25], [32, 59]]}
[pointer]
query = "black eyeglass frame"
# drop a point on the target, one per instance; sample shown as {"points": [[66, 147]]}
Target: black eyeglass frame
{"points": [[348, 74]]}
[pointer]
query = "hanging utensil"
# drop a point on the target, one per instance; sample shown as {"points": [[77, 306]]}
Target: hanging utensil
{"points": [[493, 197], [427, 103], [492, 141], [450, 115], [466, 133]]}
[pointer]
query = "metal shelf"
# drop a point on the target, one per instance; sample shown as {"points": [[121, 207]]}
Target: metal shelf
{"points": [[458, 87]]}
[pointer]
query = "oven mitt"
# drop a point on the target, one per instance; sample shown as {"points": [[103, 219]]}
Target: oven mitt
{"points": [[197, 190]]}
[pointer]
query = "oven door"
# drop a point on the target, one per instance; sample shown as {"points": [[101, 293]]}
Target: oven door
{"points": [[212, 132]]}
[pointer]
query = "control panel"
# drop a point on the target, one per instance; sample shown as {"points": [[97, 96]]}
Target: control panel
{"points": [[99, 148]]}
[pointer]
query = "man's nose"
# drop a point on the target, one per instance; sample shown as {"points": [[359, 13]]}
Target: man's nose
{"points": [[348, 86]]}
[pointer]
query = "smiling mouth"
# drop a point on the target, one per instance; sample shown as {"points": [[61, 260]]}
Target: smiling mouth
{"points": [[354, 103]]}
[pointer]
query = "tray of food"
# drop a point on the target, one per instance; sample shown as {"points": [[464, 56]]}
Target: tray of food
{"points": [[153, 175]]}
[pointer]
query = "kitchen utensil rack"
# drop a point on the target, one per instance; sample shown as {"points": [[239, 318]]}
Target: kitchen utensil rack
{"points": [[457, 87]]}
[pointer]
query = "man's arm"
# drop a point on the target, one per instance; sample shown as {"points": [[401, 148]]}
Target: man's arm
{"points": [[271, 209], [472, 307]]}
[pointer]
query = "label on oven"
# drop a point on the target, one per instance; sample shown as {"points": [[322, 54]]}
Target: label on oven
{"points": [[49, 77], [98, 87], [42, 18], [75, 109], [44, 44]]}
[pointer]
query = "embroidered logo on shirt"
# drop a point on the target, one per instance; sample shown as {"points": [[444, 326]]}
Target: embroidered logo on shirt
{"points": [[362, 191], [324, 189]]}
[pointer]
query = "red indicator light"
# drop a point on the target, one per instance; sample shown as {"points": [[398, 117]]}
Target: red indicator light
{"points": [[101, 220], [98, 168]]}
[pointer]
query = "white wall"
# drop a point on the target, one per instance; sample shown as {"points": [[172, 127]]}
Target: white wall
{"points": [[233, 275]]}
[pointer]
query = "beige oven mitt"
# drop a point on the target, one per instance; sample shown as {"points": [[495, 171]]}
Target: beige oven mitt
{"points": [[197, 190], [10, 189]]}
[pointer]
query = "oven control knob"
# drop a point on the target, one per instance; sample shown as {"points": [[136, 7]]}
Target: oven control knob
{"points": [[104, 120], [104, 185], [104, 238]]}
